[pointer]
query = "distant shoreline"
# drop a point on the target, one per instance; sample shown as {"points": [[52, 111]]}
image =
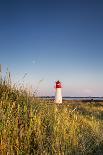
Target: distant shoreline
{"points": [[75, 99], [72, 98]]}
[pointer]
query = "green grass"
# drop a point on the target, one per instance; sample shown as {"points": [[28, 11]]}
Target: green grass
{"points": [[30, 126]]}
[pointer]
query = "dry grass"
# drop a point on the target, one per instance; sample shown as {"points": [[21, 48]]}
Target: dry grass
{"points": [[30, 126]]}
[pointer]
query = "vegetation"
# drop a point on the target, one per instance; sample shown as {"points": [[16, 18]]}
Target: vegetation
{"points": [[30, 126]]}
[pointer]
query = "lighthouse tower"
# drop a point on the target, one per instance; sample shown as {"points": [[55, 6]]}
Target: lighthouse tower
{"points": [[58, 94]]}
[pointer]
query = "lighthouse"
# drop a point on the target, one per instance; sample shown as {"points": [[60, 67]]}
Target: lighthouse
{"points": [[58, 93]]}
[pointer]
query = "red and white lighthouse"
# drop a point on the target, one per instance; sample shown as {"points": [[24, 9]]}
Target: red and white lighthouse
{"points": [[58, 94]]}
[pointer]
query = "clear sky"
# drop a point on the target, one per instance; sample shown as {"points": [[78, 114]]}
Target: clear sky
{"points": [[51, 40]]}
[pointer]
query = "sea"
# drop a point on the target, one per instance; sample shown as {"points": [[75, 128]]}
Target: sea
{"points": [[83, 98], [75, 98]]}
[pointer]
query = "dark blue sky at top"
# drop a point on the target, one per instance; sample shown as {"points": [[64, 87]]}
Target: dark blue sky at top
{"points": [[54, 39]]}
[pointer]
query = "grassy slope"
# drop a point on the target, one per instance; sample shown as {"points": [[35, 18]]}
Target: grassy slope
{"points": [[29, 126]]}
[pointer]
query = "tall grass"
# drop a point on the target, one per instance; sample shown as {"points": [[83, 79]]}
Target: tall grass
{"points": [[30, 126]]}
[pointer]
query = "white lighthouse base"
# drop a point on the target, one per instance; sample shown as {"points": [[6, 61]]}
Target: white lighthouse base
{"points": [[58, 96]]}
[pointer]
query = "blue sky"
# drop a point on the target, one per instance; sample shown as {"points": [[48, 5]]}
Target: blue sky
{"points": [[51, 40]]}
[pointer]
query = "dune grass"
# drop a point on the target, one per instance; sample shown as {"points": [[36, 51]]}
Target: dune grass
{"points": [[31, 126]]}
